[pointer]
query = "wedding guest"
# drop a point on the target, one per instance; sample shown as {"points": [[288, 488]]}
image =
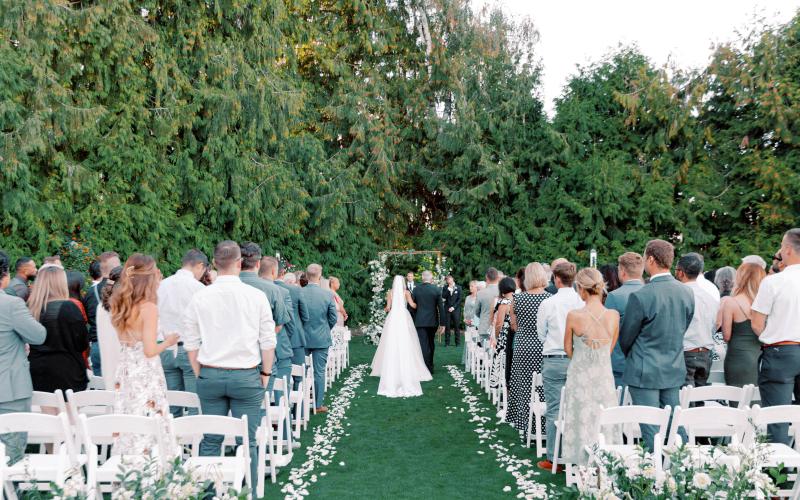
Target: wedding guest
{"points": [[139, 387], [299, 316], [741, 360], [58, 363], [451, 295], [321, 318], [528, 347], [698, 341], [501, 327], [94, 272], [25, 271], [519, 279], [755, 259], [550, 326], [54, 260], [591, 333], [17, 328], [75, 282], [302, 279], [707, 283], [610, 278], [724, 280], [552, 289], [174, 295], [228, 332], [209, 276], [341, 313], [651, 335], [107, 335], [630, 269], [775, 316], [485, 305], [108, 261], [410, 284], [777, 263], [281, 304], [470, 303]]}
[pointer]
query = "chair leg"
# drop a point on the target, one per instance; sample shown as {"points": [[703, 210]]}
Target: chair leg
{"points": [[556, 450]]}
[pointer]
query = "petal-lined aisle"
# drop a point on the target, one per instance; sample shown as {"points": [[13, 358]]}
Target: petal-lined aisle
{"points": [[426, 447]]}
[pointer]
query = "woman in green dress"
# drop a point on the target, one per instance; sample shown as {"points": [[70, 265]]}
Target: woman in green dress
{"points": [[741, 360]]}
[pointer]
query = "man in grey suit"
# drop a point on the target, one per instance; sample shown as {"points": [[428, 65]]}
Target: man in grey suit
{"points": [[17, 328], [651, 335], [299, 316], [321, 318], [484, 306], [630, 269]]}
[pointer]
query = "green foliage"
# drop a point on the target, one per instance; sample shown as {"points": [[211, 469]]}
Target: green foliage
{"points": [[328, 131]]}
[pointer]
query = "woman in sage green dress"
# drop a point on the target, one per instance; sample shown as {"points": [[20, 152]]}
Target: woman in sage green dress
{"points": [[741, 360]]}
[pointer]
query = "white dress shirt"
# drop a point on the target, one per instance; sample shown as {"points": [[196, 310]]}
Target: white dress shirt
{"points": [[551, 320], [230, 323], [779, 299], [708, 287], [174, 295], [701, 329]]}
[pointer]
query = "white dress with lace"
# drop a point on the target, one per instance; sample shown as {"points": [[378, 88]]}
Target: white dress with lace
{"points": [[140, 389], [590, 385]]}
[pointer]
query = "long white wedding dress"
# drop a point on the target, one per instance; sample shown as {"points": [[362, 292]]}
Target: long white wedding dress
{"points": [[398, 360]]}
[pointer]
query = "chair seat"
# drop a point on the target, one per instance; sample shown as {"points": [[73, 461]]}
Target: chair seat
{"points": [[110, 469], [620, 450], [211, 467], [41, 467], [779, 453]]}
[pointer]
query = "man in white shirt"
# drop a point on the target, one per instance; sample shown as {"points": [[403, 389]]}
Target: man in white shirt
{"points": [[776, 321], [174, 295], [698, 341], [229, 335], [551, 322]]}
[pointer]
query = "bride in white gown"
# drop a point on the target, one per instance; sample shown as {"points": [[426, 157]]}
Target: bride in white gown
{"points": [[398, 360]]}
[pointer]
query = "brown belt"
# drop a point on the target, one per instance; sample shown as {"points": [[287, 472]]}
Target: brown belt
{"points": [[777, 344], [697, 349], [226, 368]]}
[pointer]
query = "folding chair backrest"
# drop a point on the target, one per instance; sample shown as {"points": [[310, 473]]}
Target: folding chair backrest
{"points": [[715, 393], [184, 399], [49, 400], [90, 403], [783, 414], [102, 429], [634, 415], [190, 429], [711, 421], [47, 428], [298, 371]]}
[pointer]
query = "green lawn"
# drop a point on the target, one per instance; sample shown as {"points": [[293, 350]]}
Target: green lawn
{"points": [[424, 447]]}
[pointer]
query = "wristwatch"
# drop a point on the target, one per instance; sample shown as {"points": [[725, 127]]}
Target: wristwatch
{"points": [[265, 373]]}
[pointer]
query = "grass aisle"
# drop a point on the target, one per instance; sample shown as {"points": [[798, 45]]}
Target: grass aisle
{"points": [[424, 447]]}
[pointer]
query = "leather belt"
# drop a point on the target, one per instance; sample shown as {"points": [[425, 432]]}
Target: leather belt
{"points": [[226, 368], [778, 344], [697, 349], [555, 356]]}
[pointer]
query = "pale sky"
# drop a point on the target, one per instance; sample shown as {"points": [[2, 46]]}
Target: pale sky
{"points": [[580, 31]]}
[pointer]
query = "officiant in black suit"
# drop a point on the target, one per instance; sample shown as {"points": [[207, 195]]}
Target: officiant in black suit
{"points": [[429, 315], [451, 296], [410, 286]]}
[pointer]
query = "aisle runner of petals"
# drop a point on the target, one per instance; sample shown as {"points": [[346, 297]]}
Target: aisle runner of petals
{"points": [[322, 451], [522, 469]]}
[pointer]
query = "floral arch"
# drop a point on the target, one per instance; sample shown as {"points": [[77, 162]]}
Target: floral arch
{"points": [[432, 260]]}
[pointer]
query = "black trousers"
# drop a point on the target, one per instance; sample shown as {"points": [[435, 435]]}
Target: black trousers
{"points": [[427, 342], [453, 322], [509, 354]]}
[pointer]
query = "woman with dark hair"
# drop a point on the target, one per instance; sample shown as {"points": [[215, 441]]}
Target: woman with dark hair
{"points": [[140, 387], [610, 278], [75, 283], [106, 333], [502, 325]]}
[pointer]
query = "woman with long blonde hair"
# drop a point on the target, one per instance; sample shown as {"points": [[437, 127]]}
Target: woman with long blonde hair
{"points": [[140, 387], [59, 362], [744, 348]]}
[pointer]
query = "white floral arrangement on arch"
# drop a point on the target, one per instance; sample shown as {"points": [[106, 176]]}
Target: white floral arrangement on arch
{"points": [[379, 273]]}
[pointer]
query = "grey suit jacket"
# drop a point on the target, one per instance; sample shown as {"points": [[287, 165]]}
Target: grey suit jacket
{"points": [[17, 327], [321, 316], [651, 335], [618, 300], [281, 314], [483, 307], [299, 315]]}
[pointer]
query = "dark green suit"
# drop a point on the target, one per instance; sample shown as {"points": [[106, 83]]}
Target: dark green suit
{"points": [[295, 327], [651, 337], [321, 318]]}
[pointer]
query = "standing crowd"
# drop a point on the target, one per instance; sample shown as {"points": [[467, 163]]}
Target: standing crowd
{"points": [[592, 331], [225, 333]]}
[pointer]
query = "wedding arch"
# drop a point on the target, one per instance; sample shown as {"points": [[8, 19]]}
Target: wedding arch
{"points": [[432, 260]]}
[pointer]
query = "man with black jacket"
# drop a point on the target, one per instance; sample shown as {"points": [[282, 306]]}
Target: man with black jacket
{"points": [[108, 261], [451, 296]]}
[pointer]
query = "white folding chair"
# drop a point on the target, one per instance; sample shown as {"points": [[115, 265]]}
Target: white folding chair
{"points": [[616, 423], [559, 431], [538, 407], [95, 383], [38, 470], [710, 421], [297, 400], [777, 454], [186, 400], [102, 429], [53, 400], [274, 436], [311, 389], [712, 394], [230, 470], [90, 403]]}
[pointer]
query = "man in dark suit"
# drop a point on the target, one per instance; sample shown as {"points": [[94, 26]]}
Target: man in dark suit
{"points": [[108, 261], [451, 296], [430, 315], [651, 335], [410, 286]]}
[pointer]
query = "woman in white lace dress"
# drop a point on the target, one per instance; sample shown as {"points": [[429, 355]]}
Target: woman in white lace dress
{"points": [[591, 333], [140, 387]]}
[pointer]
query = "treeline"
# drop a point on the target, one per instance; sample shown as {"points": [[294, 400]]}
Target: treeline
{"points": [[330, 130]]}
